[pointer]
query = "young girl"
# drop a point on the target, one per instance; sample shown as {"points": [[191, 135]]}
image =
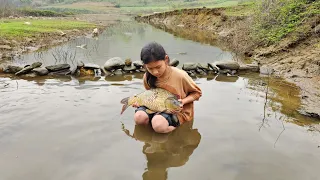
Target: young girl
{"points": [[160, 74]]}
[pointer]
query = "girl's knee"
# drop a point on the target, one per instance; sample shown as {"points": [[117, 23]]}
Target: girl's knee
{"points": [[141, 117], [160, 124]]}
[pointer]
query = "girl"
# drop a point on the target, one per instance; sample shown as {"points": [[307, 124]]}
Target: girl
{"points": [[160, 74]]}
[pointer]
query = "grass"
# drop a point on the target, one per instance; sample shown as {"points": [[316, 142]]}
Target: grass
{"points": [[92, 7], [177, 5], [243, 9], [16, 29], [135, 7]]}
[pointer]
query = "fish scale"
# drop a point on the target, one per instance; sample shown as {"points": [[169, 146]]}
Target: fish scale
{"points": [[156, 100]]}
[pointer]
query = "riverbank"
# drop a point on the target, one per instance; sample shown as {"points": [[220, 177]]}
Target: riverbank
{"points": [[20, 35], [295, 59]]}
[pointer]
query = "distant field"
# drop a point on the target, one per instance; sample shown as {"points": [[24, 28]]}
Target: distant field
{"points": [[138, 8], [98, 7], [179, 5], [15, 29]]}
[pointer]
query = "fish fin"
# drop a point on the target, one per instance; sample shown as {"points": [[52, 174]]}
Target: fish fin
{"points": [[150, 111], [124, 101], [124, 107]]}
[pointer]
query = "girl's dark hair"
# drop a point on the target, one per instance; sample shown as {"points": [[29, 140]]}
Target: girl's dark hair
{"points": [[152, 52]]}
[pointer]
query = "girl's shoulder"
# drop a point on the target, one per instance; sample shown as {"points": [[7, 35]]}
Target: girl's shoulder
{"points": [[179, 73]]}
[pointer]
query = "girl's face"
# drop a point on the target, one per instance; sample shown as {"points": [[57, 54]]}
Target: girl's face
{"points": [[157, 68]]}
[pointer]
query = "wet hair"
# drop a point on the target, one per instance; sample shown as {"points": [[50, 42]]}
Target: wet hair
{"points": [[149, 53]]}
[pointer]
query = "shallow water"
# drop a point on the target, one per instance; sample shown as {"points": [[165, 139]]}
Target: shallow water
{"points": [[68, 128]]}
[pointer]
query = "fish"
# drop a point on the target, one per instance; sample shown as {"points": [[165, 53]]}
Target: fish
{"points": [[155, 99]]}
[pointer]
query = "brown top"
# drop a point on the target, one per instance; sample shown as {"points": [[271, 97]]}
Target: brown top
{"points": [[180, 83]]}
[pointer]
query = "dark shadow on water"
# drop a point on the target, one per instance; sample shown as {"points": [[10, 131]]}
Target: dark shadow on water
{"points": [[163, 151]]}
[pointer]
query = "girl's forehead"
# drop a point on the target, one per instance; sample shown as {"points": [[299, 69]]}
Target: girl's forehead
{"points": [[154, 63]]}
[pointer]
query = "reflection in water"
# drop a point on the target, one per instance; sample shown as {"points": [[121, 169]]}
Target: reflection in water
{"points": [[225, 78], [163, 151]]}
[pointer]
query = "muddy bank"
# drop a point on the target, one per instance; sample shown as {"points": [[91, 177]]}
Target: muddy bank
{"points": [[296, 60]]}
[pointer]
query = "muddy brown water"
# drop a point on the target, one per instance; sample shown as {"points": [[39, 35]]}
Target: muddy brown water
{"points": [[70, 128]]}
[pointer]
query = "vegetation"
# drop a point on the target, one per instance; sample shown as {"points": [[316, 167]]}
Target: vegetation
{"points": [[17, 29], [276, 19]]}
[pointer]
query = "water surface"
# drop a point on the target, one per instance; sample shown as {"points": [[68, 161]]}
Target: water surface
{"points": [[69, 128]]}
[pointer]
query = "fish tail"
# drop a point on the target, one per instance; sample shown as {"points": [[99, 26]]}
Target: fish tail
{"points": [[124, 101]]}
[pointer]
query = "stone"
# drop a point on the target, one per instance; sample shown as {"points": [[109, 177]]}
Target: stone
{"points": [[232, 65], [128, 62], [174, 63], [189, 66], [41, 71], [138, 64], [266, 70], [12, 69], [249, 67], [58, 67], [129, 68], [91, 66], [114, 63]]}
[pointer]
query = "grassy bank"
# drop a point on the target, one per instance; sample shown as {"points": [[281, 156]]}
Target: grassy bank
{"points": [[18, 29]]}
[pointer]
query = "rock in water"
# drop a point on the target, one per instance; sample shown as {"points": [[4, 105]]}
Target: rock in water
{"points": [[232, 65], [28, 69], [189, 66], [41, 71], [213, 67], [129, 68], [138, 64], [114, 63], [58, 67], [12, 69], [128, 62], [174, 63], [203, 66], [91, 66]]}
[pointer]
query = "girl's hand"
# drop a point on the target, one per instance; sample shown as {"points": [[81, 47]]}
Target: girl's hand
{"points": [[181, 107], [182, 103]]}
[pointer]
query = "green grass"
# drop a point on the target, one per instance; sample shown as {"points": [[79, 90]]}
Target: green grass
{"points": [[16, 29], [178, 5], [276, 20], [243, 9]]}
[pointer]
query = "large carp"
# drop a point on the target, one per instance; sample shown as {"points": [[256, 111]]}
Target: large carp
{"points": [[155, 99]]}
